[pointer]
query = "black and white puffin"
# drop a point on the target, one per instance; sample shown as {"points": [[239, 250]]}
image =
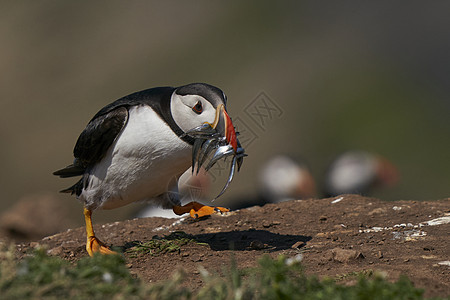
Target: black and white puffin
{"points": [[359, 172], [138, 146], [284, 177]]}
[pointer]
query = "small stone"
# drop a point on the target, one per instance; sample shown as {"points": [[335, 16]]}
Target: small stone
{"points": [[323, 218], [298, 245], [345, 255], [266, 225], [428, 256], [55, 251], [34, 244], [377, 211], [444, 263], [257, 245], [196, 258], [270, 224]]}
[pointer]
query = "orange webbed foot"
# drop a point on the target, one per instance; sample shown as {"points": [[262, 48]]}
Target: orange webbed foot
{"points": [[94, 245], [198, 210]]}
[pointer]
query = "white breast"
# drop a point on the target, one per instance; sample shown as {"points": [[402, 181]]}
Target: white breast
{"points": [[139, 165]]}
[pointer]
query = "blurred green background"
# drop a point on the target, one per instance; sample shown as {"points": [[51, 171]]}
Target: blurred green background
{"points": [[346, 75]]}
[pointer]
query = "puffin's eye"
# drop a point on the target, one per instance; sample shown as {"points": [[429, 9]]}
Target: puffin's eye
{"points": [[198, 108]]}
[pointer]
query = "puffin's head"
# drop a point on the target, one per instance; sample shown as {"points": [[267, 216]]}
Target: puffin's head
{"points": [[197, 104], [199, 109]]}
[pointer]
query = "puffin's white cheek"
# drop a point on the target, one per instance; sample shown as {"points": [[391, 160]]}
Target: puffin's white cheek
{"points": [[185, 117], [208, 116]]}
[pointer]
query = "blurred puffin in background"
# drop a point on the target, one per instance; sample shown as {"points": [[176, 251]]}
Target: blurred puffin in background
{"points": [[284, 178], [281, 178], [359, 172]]}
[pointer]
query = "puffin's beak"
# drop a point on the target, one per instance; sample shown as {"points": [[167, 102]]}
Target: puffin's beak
{"points": [[222, 123]]}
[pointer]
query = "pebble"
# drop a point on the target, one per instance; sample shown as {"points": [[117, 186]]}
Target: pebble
{"points": [[55, 251], [34, 244], [298, 245], [257, 245], [345, 255], [270, 224]]}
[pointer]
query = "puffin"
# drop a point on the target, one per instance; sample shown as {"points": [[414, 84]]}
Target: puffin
{"points": [[359, 172], [137, 147], [285, 177], [282, 177]]}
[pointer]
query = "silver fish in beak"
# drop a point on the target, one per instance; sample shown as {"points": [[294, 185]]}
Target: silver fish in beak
{"points": [[221, 137]]}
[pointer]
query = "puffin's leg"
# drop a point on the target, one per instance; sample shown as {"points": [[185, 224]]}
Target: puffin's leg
{"points": [[197, 210], [93, 244]]}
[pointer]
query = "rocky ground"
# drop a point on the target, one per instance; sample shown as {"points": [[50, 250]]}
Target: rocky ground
{"points": [[336, 237]]}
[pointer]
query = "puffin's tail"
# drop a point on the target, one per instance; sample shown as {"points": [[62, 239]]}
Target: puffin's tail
{"points": [[70, 171], [76, 189], [70, 190]]}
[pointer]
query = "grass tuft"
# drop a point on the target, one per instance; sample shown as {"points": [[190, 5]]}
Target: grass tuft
{"points": [[160, 245], [40, 276]]}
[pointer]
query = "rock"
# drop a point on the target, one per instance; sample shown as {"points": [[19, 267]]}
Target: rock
{"points": [[257, 245], [345, 255], [298, 245], [377, 211], [34, 217], [57, 251], [323, 218], [270, 224], [34, 245]]}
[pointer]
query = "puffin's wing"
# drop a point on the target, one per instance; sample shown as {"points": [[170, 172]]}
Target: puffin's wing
{"points": [[95, 140], [99, 135]]}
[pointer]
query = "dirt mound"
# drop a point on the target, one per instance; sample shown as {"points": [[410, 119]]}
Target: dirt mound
{"points": [[337, 237]]}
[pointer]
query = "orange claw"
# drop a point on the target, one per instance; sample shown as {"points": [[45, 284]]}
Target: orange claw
{"points": [[198, 210], [94, 245]]}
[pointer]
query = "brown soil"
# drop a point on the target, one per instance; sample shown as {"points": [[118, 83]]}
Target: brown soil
{"points": [[335, 239]]}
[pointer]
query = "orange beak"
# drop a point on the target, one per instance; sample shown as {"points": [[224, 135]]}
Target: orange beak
{"points": [[224, 125]]}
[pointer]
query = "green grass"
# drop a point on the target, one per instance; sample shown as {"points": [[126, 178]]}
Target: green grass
{"points": [[39, 276], [352, 275], [158, 245]]}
